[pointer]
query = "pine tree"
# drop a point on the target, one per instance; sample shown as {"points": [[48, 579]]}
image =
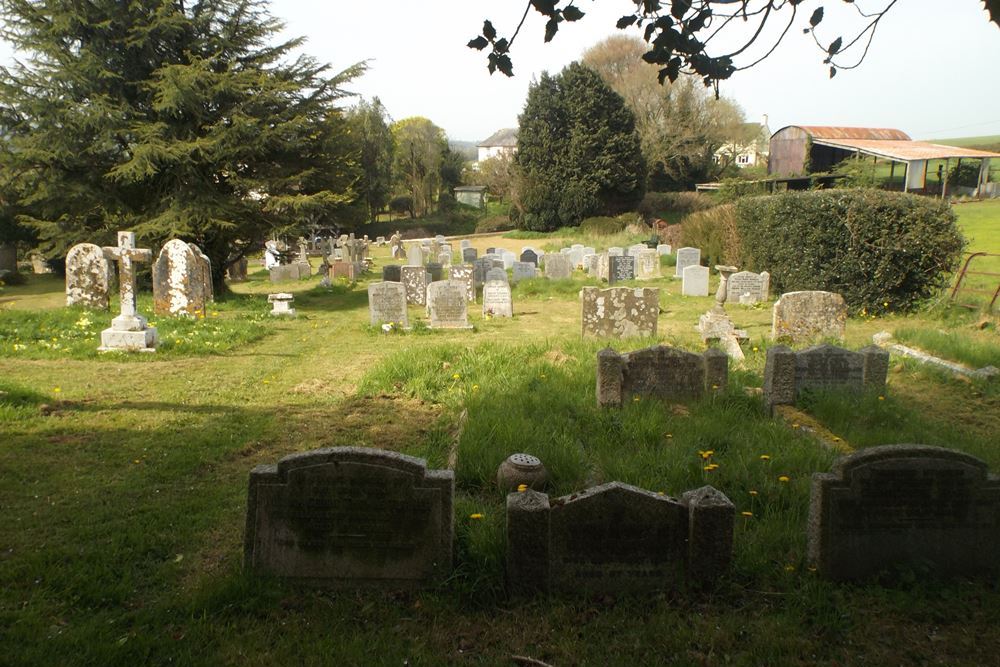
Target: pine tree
{"points": [[171, 119]]}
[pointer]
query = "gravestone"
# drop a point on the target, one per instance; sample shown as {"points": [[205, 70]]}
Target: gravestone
{"points": [[39, 265], [616, 537], [695, 280], [648, 265], [603, 266], [414, 255], [615, 251], [436, 270], [558, 267], [495, 274], [236, 272], [747, 287], [803, 316], [88, 277], [590, 264], [480, 267], [686, 257], [447, 305], [576, 256], [129, 330], [469, 255], [497, 300], [508, 259], [523, 271], [391, 273], [341, 269], [530, 256], [663, 249], [182, 280], [620, 268], [281, 304], [465, 243], [464, 274], [659, 372], [634, 250], [350, 516], [926, 507], [444, 258], [787, 374], [387, 303], [415, 280], [8, 258], [284, 272], [619, 311]]}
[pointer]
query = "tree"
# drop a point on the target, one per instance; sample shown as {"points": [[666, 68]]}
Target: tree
{"points": [[369, 123], [420, 148], [170, 119], [578, 154], [497, 174], [679, 36]]}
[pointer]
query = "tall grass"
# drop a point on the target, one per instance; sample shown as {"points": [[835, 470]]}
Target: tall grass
{"points": [[954, 345]]}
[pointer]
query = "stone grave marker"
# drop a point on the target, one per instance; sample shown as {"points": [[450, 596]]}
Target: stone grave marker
{"points": [[341, 269], [576, 256], [444, 258], [129, 331], [927, 507], [663, 249], [661, 372], [281, 304], [415, 279], [648, 265], [523, 271], [603, 266], [464, 274], [497, 300], [182, 280], [686, 257], [787, 374], [387, 303], [391, 273], [39, 265], [616, 537], [436, 270], [88, 277], [350, 517], [634, 250], [481, 266], [743, 284], [695, 280], [469, 255], [465, 243], [803, 316], [619, 311], [590, 264], [447, 305], [530, 256], [558, 267], [620, 268], [508, 259], [495, 274], [285, 272], [414, 255], [615, 251], [236, 272]]}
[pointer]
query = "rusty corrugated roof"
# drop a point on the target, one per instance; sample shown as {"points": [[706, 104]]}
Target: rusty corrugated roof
{"points": [[905, 150], [881, 133]]}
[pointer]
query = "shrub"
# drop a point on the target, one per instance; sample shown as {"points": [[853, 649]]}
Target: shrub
{"points": [[880, 250], [401, 204], [714, 231], [604, 226], [672, 206]]}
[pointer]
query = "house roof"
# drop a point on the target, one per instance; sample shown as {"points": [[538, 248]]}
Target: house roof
{"points": [[506, 137], [905, 150]]}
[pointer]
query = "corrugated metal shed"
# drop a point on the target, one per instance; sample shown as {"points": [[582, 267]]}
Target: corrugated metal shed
{"points": [[904, 150], [883, 133]]}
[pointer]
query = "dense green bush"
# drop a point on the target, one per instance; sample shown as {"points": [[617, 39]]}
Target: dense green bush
{"points": [[880, 250], [672, 206], [605, 226], [714, 231]]}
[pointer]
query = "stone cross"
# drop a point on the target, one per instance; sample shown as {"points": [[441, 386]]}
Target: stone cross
{"points": [[126, 253]]}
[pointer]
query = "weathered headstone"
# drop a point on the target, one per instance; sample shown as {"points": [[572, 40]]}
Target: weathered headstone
{"points": [[648, 265], [523, 271], [415, 279], [387, 303], [350, 516], [603, 266], [695, 280], [447, 304], [788, 373], [480, 267], [660, 372], [803, 316], [912, 505], [469, 255], [576, 256], [615, 251], [39, 265], [284, 272], [590, 264], [182, 280], [620, 268], [129, 331], [616, 537], [530, 256], [497, 300], [391, 273], [663, 249], [341, 269], [236, 272], [436, 270], [495, 274], [558, 267], [508, 259], [686, 257], [619, 311], [634, 250], [88, 277], [465, 243], [747, 287], [414, 255], [465, 274]]}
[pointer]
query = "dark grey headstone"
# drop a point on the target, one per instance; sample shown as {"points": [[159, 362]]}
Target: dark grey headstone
{"points": [[787, 374], [660, 372], [436, 270], [391, 273], [621, 269], [529, 256], [469, 255]]}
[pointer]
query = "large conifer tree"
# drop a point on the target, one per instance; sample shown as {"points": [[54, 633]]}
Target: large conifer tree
{"points": [[169, 118]]}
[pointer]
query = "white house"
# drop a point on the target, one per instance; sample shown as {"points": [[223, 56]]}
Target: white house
{"points": [[749, 149], [500, 142]]}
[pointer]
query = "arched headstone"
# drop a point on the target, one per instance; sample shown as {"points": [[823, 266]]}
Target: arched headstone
{"points": [[88, 276], [182, 280]]}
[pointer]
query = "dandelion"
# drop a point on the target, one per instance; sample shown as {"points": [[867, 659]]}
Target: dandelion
{"points": [[706, 454], [670, 435], [784, 479], [881, 398], [660, 493], [456, 376], [795, 425], [215, 313], [56, 390], [475, 387], [765, 457], [137, 461], [747, 514], [266, 381], [756, 349], [541, 376], [476, 516], [885, 304], [521, 488], [711, 466], [753, 492]]}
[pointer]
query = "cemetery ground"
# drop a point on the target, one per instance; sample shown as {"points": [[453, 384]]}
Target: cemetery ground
{"points": [[124, 482]]}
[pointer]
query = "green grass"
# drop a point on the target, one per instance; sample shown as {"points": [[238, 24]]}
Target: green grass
{"points": [[980, 223], [975, 349]]}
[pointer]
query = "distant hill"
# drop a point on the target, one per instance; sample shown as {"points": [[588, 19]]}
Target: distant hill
{"points": [[987, 143], [467, 149]]}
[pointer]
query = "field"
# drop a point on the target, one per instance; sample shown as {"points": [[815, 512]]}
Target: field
{"points": [[124, 483]]}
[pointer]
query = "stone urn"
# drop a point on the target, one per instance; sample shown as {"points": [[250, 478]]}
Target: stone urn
{"points": [[520, 469]]}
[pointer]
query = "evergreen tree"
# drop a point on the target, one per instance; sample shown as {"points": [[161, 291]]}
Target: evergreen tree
{"points": [[171, 119], [420, 149], [578, 153], [370, 126]]}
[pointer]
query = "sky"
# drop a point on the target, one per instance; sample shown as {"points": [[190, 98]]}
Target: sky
{"points": [[929, 72]]}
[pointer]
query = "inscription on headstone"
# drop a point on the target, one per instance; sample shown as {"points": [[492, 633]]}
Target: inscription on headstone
{"points": [[788, 373], [523, 271], [620, 268], [391, 273], [802, 316], [648, 265], [529, 256], [497, 300], [747, 287], [660, 372], [387, 303], [447, 305]]}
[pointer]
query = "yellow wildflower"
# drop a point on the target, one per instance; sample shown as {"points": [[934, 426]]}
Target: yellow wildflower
{"points": [[476, 516], [753, 492], [475, 387], [706, 454], [881, 398], [789, 568], [521, 488], [456, 376], [765, 457], [747, 514], [711, 466], [783, 478], [56, 390]]}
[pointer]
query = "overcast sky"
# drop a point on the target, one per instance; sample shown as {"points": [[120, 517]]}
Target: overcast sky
{"points": [[930, 72]]}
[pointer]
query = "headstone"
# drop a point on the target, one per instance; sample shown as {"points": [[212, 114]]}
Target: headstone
{"points": [[787, 374], [616, 537], [236, 272], [659, 372], [603, 266], [340, 269], [495, 274], [350, 516], [284, 272], [508, 259], [558, 267], [436, 270], [8, 257], [465, 243], [281, 304], [930, 508], [576, 256], [635, 249], [480, 267], [523, 271], [182, 280], [743, 284], [465, 274], [88, 277], [695, 279], [663, 249], [391, 273], [129, 331], [497, 300], [490, 251], [619, 311], [590, 264], [414, 255], [648, 263], [469, 255], [803, 316], [444, 258], [686, 257], [415, 279], [387, 303], [380, 241], [530, 256], [447, 305], [615, 251], [620, 268], [39, 265]]}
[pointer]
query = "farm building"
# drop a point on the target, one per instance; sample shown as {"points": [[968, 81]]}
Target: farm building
{"points": [[797, 150], [500, 142]]}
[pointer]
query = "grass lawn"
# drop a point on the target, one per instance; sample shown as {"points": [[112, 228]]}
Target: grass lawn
{"points": [[124, 485]]}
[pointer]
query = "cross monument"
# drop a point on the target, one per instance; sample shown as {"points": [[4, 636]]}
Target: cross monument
{"points": [[129, 330]]}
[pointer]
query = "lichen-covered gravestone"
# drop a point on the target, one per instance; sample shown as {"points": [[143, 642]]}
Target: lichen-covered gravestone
{"points": [[615, 538], [660, 372], [465, 274], [686, 257], [558, 267], [619, 311], [447, 305], [415, 279], [88, 277], [497, 300], [182, 280], [387, 303], [787, 374], [350, 517], [905, 505], [804, 316]]}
